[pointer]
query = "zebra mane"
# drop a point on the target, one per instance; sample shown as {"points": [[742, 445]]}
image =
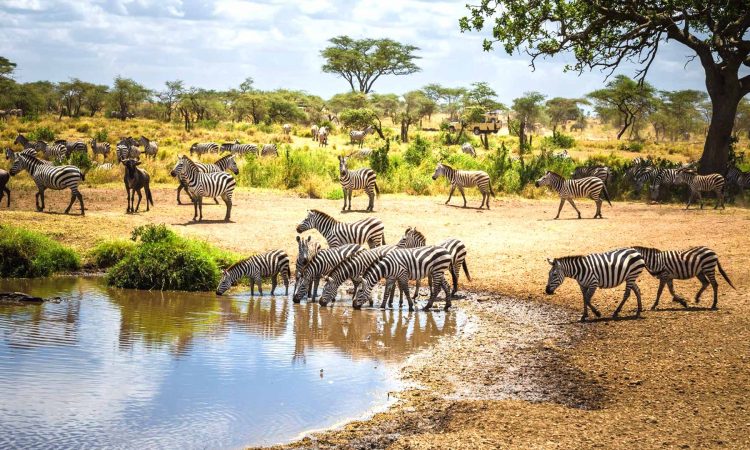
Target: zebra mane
{"points": [[418, 233], [224, 158], [556, 174], [321, 213], [446, 166], [569, 258]]}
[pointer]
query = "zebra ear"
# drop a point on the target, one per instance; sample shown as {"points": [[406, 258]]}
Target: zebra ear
{"points": [[551, 262], [309, 238], [298, 238]]}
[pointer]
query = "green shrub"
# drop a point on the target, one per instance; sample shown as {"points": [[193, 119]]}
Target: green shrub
{"points": [[80, 160], [379, 158], [208, 124], [101, 135], [42, 134], [633, 146], [108, 253], [84, 127], [30, 254], [418, 150], [559, 140]]}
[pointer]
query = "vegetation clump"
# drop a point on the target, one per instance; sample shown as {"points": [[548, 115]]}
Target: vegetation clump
{"points": [[108, 253], [30, 254]]}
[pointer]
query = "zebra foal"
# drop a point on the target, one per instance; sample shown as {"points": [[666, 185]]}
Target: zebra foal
{"points": [[591, 187], [465, 178], [269, 264], [47, 176], [368, 231], [352, 180]]}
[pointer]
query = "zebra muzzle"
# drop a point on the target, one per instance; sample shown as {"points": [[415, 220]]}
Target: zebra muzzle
{"points": [[549, 291]]}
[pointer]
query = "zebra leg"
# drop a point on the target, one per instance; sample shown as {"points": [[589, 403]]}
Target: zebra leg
{"points": [[562, 202], [179, 189], [416, 291], [274, 281], [259, 281], [690, 200], [7, 192], [675, 297], [434, 290], [573, 204], [344, 207], [285, 279], [200, 208], [216, 200], [704, 284], [450, 193], [315, 288], [598, 214], [387, 288], [403, 286], [80, 200], [227, 201], [719, 199], [712, 279], [454, 278], [625, 297], [73, 197], [700, 198], [637, 291], [662, 283], [371, 195], [447, 291], [461, 190]]}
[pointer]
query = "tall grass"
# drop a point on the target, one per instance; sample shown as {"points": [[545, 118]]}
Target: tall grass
{"points": [[30, 254]]}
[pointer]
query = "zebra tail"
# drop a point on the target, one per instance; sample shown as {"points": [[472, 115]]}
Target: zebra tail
{"points": [[148, 195], [606, 195], [377, 190], [724, 274], [466, 270], [491, 192]]}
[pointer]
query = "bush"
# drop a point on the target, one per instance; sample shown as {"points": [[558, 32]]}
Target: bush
{"points": [[559, 140], [209, 124], [108, 253], [633, 146], [85, 127], [379, 159], [42, 134], [30, 254], [418, 150], [80, 160], [101, 135]]}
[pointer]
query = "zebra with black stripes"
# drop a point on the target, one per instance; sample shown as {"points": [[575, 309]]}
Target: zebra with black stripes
{"points": [[255, 268], [351, 180], [57, 151], [201, 184], [702, 183], [72, 146], [358, 136], [604, 173], [320, 266], [150, 148], [599, 271], [287, 128], [641, 174], [127, 148], [25, 143], [738, 178], [201, 148], [591, 187], [352, 269], [306, 251], [665, 177], [469, 149], [406, 264], [223, 164], [239, 149], [368, 231], [100, 148], [47, 176], [26, 151], [269, 150], [699, 262], [465, 178]]}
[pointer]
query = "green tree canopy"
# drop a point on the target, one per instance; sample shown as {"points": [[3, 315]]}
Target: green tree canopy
{"points": [[624, 103], [126, 94]]}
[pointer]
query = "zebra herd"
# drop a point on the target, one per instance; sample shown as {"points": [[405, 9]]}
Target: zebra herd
{"points": [[235, 148], [15, 112], [357, 252]]}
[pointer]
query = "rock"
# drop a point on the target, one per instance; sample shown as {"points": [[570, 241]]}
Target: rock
{"points": [[19, 297]]}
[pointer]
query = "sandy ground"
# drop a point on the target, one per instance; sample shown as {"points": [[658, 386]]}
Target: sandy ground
{"points": [[675, 378]]}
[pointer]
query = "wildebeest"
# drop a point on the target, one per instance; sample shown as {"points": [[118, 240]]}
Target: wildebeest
{"points": [[135, 180], [4, 178]]}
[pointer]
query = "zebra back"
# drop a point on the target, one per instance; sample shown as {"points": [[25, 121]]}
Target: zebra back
{"points": [[366, 231], [603, 270], [257, 266]]}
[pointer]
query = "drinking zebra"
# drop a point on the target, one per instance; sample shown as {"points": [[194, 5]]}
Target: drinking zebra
{"points": [[599, 270], [469, 150], [366, 231], [668, 265], [257, 267], [201, 184], [306, 251], [364, 178], [4, 178], [150, 148], [135, 180], [591, 187], [287, 128], [602, 172], [201, 148], [465, 178], [358, 136], [221, 165], [320, 266], [100, 148], [47, 176], [323, 137], [269, 150], [352, 269], [314, 132], [702, 183], [406, 264]]}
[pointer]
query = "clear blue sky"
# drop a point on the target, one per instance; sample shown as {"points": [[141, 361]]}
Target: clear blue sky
{"points": [[217, 43]]}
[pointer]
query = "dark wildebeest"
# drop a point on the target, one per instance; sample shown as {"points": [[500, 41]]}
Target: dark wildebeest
{"points": [[135, 180], [4, 178]]}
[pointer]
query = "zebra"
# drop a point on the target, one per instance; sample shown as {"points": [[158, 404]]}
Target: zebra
{"points": [[591, 187], [702, 183], [465, 178], [269, 150], [221, 165], [150, 148], [306, 251], [599, 270], [469, 149], [100, 148], [239, 149], [287, 128], [352, 269], [369, 230], [47, 176], [362, 153], [135, 180], [269, 264], [604, 173], [73, 146], [406, 264], [364, 178], [700, 262], [26, 151], [323, 137], [104, 166], [127, 149], [642, 174], [738, 178], [314, 132], [200, 184], [358, 136], [56, 151], [25, 143], [4, 178], [320, 266], [203, 148], [664, 177]]}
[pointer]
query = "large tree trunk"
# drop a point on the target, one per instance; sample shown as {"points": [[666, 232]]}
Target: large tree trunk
{"points": [[719, 137]]}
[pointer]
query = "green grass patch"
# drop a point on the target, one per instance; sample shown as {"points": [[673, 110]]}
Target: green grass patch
{"points": [[30, 254]]}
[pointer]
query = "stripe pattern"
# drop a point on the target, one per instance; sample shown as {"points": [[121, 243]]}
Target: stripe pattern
{"points": [[702, 183], [269, 150], [469, 150], [352, 269], [591, 187], [269, 264], [736, 177], [100, 148], [306, 251], [201, 148], [239, 149], [127, 148], [200, 184], [358, 136], [47, 176], [465, 178], [320, 265], [224, 163], [414, 238], [150, 148], [368, 231], [602, 172], [360, 179]]}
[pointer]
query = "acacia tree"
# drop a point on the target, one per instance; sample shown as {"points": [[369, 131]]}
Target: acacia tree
{"points": [[362, 61], [605, 33], [414, 107], [529, 109], [560, 110], [94, 97], [624, 102], [169, 97], [125, 94]]}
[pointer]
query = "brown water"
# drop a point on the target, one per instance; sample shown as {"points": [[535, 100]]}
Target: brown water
{"points": [[137, 369]]}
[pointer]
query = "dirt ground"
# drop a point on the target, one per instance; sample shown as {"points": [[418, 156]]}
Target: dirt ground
{"points": [[675, 378]]}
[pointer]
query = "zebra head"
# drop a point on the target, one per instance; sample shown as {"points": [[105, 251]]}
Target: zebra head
{"points": [[555, 278], [225, 283], [193, 148], [439, 170], [544, 181], [8, 153], [412, 238], [177, 169], [342, 165], [21, 139], [308, 223], [19, 163], [684, 175]]}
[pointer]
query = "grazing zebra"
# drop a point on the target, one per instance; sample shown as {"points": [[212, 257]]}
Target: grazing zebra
{"points": [[25, 143], [358, 136], [306, 251], [320, 266], [135, 180], [269, 150], [239, 149], [591, 187], [100, 148], [362, 153], [364, 178], [406, 264], [201, 184], [702, 183], [668, 265], [221, 165], [4, 178], [56, 151], [72, 146], [736, 177], [642, 174], [323, 137], [256, 267], [47, 176], [150, 148], [664, 177], [287, 128], [602, 172], [465, 178], [127, 149], [366, 231], [469, 150], [599, 270], [352, 269], [314, 132], [203, 148]]}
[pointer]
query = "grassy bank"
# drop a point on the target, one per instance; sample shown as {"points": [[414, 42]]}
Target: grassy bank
{"points": [[29, 254]]}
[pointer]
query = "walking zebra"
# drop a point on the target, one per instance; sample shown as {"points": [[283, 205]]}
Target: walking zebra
{"points": [[4, 178], [668, 265], [323, 137], [358, 136], [127, 148], [306, 251], [738, 178], [314, 132], [269, 150], [25, 143], [602, 172], [364, 178], [201, 184], [591, 187], [26, 151], [366, 231], [150, 148], [287, 128], [702, 183], [352, 269], [203, 148], [57, 151], [256, 267], [469, 150], [406, 264], [320, 266], [465, 178], [47, 176], [100, 148], [599, 270], [221, 165]]}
